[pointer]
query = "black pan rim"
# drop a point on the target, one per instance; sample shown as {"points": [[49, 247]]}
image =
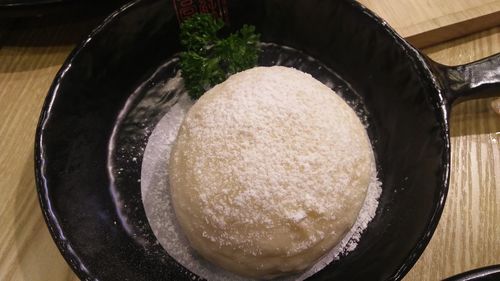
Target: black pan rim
{"points": [[477, 274], [43, 190]]}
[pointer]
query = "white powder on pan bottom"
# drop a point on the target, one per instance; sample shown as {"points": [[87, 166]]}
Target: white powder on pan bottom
{"points": [[161, 216]]}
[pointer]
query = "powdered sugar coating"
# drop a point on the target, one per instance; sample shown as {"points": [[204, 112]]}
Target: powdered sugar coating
{"points": [[156, 198], [269, 172]]}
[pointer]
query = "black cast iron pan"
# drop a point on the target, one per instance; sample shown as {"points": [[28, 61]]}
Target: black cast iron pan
{"points": [[88, 182]]}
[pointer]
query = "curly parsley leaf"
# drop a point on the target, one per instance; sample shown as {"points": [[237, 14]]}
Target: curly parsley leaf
{"points": [[209, 59]]}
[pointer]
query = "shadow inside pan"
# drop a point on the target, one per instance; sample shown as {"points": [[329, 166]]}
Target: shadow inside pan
{"points": [[88, 182]]}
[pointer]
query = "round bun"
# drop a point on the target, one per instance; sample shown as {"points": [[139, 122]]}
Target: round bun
{"points": [[269, 172]]}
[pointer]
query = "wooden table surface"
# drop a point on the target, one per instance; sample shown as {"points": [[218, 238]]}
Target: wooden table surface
{"points": [[468, 235]]}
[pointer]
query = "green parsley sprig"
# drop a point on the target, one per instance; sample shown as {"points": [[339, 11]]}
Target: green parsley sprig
{"points": [[208, 59]]}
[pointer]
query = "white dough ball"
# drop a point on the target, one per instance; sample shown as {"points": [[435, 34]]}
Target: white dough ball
{"points": [[269, 172]]}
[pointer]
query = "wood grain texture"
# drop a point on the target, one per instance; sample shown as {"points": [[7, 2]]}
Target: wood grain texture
{"points": [[428, 22], [468, 235], [29, 61]]}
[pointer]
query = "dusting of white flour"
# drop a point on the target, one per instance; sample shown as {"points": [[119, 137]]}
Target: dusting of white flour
{"points": [[161, 216]]}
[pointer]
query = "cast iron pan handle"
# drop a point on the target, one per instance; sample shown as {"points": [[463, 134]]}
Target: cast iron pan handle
{"points": [[477, 79], [473, 80]]}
